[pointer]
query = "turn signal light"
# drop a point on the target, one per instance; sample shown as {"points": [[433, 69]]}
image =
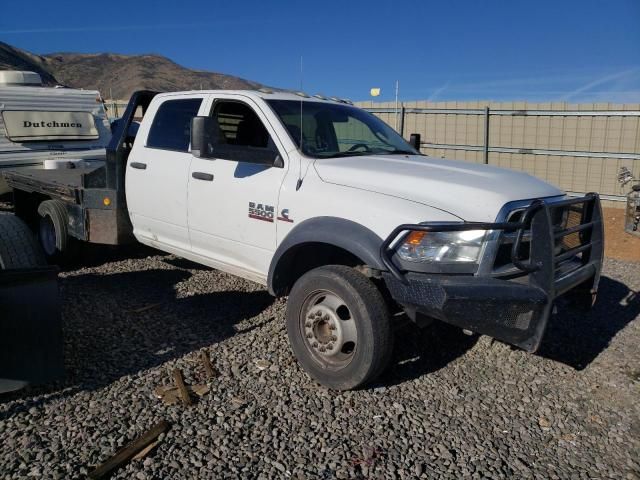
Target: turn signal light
{"points": [[414, 238]]}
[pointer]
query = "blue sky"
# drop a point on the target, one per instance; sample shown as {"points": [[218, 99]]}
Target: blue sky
{"points": [[536, 50]]}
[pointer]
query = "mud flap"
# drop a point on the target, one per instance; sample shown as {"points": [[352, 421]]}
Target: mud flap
{"points": [[31, 347]]}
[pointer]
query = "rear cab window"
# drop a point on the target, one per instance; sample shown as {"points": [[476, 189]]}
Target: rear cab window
{"points": [[171, 127]]}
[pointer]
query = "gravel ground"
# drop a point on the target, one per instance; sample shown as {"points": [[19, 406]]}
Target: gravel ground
{"points": [[450, 406]]}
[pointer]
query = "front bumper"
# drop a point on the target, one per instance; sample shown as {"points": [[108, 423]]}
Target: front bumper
{"points": [[510, 304]]}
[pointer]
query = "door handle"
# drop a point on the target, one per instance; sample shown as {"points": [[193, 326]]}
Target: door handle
{"points": [[138, 165], [207, 177]]}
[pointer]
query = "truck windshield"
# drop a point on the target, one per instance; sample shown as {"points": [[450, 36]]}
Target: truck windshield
{"points": [[328, 130]]}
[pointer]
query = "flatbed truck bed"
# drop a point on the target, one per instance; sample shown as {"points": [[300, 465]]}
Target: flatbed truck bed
{"points": [[64, 183], [89, 203]]}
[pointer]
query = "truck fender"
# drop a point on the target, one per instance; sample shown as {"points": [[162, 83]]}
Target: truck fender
{"points": [[339, 232]]}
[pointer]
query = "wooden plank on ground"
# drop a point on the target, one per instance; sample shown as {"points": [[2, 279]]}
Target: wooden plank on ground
{"points": [[182, 388], [126, 453], [209, 371]]}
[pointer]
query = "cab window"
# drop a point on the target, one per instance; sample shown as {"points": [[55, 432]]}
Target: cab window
{"points": [[241, 134], [171, 127], [241, 126]]}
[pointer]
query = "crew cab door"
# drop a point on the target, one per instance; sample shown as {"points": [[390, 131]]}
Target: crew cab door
{"points": [[233, 201], [158, 171]]}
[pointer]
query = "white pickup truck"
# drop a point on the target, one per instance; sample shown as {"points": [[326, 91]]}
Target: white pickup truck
{"points": [[321, 201]]}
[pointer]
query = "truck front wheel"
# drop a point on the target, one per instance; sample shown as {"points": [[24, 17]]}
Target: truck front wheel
{"points": [[53, 231], [339, 327]]}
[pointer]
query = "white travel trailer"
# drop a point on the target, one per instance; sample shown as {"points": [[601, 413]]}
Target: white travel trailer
{"points": [[49, 127]]}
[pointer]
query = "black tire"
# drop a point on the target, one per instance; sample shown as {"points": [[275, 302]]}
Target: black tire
{"points": [[18, 245], [53, 233], [18, 249], [353, 359]]}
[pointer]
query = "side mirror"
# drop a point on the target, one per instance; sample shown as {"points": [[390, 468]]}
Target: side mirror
{"points": [[414, 141], [260, 156], [204, 134]]}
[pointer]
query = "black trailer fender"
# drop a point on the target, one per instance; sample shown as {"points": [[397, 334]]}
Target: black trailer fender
{"points": [[350, 236]]}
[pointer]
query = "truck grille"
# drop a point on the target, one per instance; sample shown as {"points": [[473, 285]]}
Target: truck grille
{"points": [[572, 226]]}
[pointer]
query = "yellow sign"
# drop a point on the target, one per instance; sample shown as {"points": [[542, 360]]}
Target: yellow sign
{"points": [[375, 92]]}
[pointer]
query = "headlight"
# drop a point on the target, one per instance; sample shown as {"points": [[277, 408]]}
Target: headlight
{"points": [[443, 247]]}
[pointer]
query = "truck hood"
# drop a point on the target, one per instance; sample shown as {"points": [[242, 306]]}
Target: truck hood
{"points": [[472, 192]]}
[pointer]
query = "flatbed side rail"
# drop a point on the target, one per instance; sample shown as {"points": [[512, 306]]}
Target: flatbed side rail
{"points": [[21, 180]]}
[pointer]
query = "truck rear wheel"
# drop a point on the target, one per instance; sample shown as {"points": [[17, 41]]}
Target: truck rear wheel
{"points": [[18, 246], [339, 327], [53, 231]]}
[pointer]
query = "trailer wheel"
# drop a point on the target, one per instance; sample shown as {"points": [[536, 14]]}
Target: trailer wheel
{"points": [[339, 327], [53, 232], [18, 245]]}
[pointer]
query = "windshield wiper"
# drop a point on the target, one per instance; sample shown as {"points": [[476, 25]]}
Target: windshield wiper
{"points": [[344, 154], [396, 151]]}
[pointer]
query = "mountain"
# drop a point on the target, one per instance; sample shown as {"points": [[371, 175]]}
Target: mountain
{"points": [[118, 74], [12, 58]]}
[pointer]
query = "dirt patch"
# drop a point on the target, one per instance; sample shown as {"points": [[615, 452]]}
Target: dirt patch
{"points": [[619, 244]]}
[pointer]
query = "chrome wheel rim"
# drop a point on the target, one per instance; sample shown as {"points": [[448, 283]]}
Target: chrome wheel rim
{"points": [[328, 329]]}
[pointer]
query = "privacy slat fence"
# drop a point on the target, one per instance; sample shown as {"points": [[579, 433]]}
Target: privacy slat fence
{"points": [[579, 147]]}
